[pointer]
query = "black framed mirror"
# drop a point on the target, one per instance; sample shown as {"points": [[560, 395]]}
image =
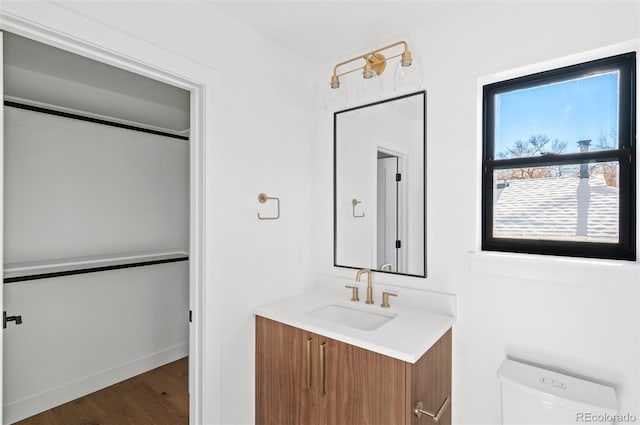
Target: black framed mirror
{"points": [[379, 186]]}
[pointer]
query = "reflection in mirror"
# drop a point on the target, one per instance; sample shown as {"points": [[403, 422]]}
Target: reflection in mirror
{"points": [[379, 186]]}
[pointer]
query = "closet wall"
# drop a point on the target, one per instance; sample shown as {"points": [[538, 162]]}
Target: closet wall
{"points": [[82, 190]]}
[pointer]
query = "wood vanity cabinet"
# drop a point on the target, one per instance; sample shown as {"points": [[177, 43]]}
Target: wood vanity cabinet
{"points": [[307, 379]]}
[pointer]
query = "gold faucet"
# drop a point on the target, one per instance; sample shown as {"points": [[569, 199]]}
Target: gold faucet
{"points": [[369, 287], [385, 266]]}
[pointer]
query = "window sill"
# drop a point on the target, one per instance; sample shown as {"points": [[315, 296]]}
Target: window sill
{"points": [[565, 270]]}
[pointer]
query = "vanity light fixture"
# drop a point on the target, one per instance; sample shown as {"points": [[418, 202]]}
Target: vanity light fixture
{"points": [[406, 76]]}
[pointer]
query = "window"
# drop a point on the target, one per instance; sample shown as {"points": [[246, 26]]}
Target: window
{"points": [[558, 164]]}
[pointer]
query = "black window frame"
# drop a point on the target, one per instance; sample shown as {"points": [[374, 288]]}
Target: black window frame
{"points": [[625, 249]]}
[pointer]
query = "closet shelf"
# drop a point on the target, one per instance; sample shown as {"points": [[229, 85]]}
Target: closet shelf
{"points": [[31, 270]]}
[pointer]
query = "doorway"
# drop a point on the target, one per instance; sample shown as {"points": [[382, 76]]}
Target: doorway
{"points": [[387, 217], [193, 198], [391, 210]]}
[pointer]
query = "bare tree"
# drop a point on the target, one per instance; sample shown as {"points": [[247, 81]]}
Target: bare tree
{"points": [[607, 140], [535, 145]]}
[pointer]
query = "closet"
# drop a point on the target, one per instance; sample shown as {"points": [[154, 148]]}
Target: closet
{"points": [[96, 225]]}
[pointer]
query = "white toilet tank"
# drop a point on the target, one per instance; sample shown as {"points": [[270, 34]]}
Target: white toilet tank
{"points": [[531, 395]]}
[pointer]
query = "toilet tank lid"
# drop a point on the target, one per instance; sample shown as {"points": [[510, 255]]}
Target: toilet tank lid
{"points": [[558, 389]]}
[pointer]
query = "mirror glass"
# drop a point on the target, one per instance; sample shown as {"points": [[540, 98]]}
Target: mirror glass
{"points": [[379, 186]]}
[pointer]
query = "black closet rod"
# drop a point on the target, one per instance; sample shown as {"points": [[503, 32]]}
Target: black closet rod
{"points": [[90, 119], [92, 270]]}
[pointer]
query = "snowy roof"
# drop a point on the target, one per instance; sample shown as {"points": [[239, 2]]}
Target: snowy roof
{"points": [[558, 208]]}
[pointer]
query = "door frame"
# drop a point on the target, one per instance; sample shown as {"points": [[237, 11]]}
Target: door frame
{"points": [[197, 204], [2, 221]]}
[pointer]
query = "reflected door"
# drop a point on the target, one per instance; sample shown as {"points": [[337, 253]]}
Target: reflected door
{"points": [[387, 206]]}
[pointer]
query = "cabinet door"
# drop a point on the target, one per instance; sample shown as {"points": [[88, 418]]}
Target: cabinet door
{"points": [[285, 393], [362, 387], [431, 382]]}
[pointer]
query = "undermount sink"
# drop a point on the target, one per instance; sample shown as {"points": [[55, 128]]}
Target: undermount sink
{"points": [[352, 317]]}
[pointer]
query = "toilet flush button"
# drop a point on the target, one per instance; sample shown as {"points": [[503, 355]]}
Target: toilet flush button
{"points": [[553, 383]]}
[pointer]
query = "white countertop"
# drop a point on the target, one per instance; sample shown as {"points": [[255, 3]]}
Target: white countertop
{"points": [[406, 337]]}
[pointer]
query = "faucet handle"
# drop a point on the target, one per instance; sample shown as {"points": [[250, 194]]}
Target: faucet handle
{"points": [[354, 292], [385, 299]]}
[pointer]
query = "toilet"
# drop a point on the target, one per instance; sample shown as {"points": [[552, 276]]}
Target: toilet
{"points": [[532, 395]]}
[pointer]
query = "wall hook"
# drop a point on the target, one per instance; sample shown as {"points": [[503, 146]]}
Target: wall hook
{"points": [[355, 202], [262, 198]]}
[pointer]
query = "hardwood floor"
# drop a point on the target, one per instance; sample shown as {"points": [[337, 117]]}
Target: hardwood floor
{"points": [[157, 397]]}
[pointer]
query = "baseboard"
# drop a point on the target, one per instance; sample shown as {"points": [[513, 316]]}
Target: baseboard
{"points": [[46, 400]]}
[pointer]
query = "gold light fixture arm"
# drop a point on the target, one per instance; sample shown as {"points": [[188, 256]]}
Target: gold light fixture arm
{"points": [[360, 68], [374, 60]]}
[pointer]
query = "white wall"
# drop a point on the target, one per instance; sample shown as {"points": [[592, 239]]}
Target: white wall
{"points": [[26, 84], [356, 160], [79, 189], [259, 134], [38, 71], [578, 317]]}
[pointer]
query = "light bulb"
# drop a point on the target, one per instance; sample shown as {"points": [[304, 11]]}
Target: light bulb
{"points": [[407, 78], [368, 72], [337, 98], [369, 88], [335, 82]]}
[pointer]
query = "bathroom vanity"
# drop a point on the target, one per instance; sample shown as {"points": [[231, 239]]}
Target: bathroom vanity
{"points": [[322, 369]]}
